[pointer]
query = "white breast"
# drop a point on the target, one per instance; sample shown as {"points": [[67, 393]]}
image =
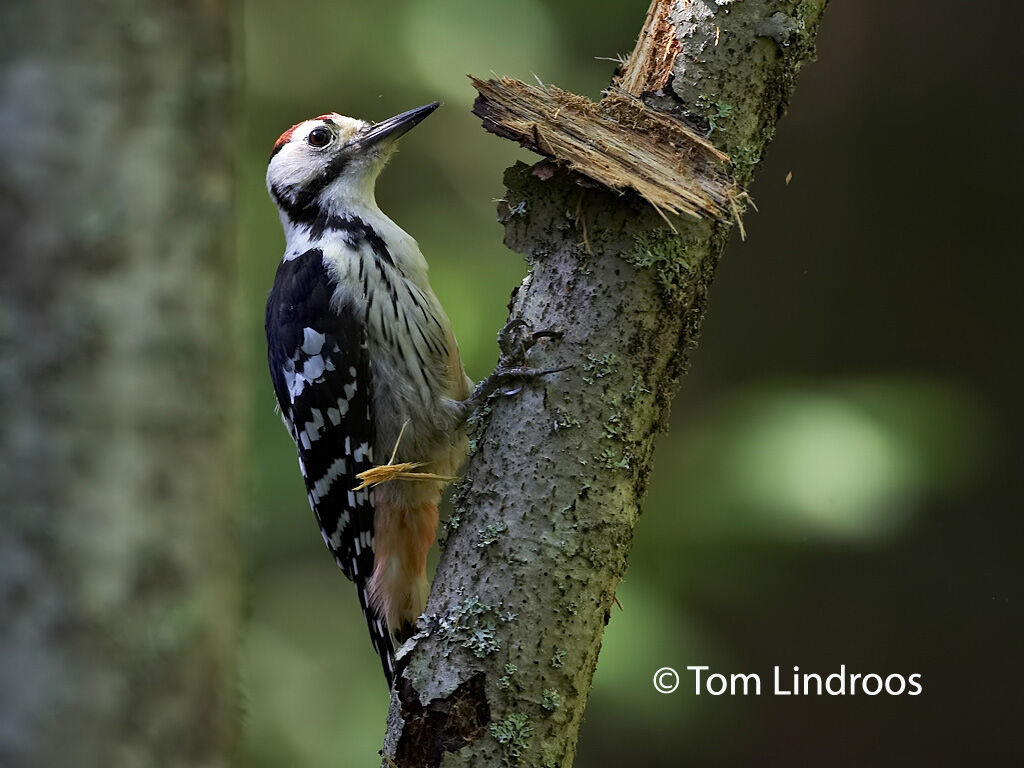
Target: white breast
{"points": [[408, 334]]}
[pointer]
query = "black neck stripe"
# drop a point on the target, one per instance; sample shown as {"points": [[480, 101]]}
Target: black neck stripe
{"points": [[314, 216]]}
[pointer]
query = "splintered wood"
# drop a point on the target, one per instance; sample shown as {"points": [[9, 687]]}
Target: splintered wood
{"points": [[619, 142], [650, 64]]}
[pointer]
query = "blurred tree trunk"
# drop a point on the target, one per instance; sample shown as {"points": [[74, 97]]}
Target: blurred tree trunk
{"points": [[119, 570], [544, 516]]}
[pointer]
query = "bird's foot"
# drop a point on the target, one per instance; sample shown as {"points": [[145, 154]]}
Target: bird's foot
{"points": [[515, 340]]}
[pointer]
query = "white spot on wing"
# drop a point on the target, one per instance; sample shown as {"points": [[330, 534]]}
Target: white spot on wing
{"points": [[336, 470], [295, 381], [312, 428], [336, 536], [314, 368], [312, 341]]}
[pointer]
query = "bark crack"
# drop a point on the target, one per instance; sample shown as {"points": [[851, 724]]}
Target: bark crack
{"points": [[444, 725]]}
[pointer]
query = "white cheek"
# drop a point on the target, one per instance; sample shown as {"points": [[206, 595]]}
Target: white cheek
{"points": [[293, 165]]}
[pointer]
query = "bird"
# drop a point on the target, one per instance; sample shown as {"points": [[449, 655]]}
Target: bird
{"points": [[364, 362], [358, 348]]}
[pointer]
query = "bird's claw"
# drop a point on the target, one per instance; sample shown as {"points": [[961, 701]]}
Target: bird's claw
{"points": [[516, 339], [503, 377]]}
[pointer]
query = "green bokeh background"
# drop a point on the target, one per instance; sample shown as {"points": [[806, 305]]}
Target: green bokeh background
{"points": [[839, 482]]}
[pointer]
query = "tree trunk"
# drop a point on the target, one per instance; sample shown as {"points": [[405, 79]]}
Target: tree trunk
{"points": [[544, 517], [119, 575]]}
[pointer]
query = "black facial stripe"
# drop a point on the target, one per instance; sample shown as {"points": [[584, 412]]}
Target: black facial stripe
{"points": [[284, 202], [308, 194], [302, 207]]}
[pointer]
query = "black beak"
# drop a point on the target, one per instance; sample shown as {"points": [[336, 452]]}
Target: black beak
{"points": [[395, 126]]}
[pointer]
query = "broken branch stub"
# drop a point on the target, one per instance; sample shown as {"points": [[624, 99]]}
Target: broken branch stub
{"points": [[619, 142], [649, 66]]}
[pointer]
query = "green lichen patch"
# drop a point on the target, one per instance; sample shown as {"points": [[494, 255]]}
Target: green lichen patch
{"points": [[715, 111], [513, 734], [564, 420], [744, 159], [450, 526], [507, 680], [609, 459], [613, 426], [638, 388], [673, 259], [551, 700], [599, 367], [472, 625], [489, 535]]}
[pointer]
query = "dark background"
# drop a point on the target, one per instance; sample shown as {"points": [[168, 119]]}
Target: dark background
{"points": [[840, 484]]}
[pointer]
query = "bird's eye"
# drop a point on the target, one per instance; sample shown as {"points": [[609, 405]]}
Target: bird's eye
{"points": [[319, 137]]}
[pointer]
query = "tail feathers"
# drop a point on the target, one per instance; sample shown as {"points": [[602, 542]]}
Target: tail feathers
{"points": [[380, 637], [397, 590], [398, 587]]}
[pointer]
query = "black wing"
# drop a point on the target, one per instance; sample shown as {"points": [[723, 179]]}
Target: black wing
{"points": [[319, 365]]}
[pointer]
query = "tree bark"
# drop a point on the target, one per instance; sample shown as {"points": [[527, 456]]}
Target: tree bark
{"points": [[119, 575], [544, 517]]}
